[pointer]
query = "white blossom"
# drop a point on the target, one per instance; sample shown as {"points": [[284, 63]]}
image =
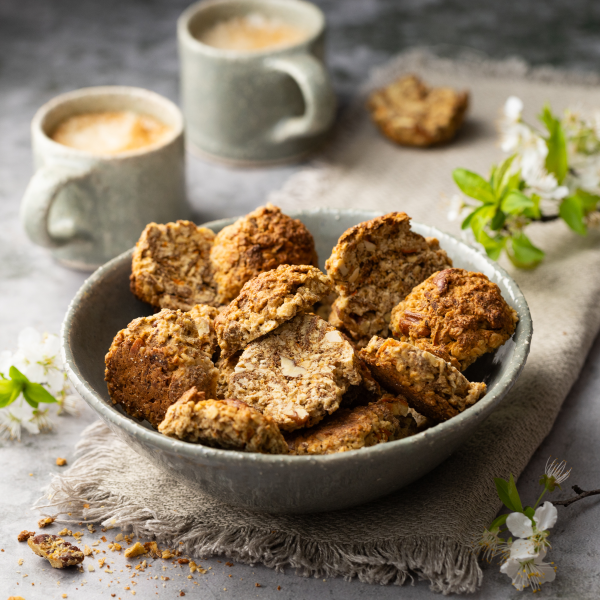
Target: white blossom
{"points": [[521, 526], [513, 109], [38, 358], [17, 416], [526, 567]]}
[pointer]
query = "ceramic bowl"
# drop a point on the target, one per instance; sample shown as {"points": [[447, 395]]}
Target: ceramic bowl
{"points": [[285, 484]]}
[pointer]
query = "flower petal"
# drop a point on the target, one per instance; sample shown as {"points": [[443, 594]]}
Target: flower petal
{"points": [[519, 525], [523, 550], [510, 567], [515, 571], [545, 516], [513, 108], [546, 572]]}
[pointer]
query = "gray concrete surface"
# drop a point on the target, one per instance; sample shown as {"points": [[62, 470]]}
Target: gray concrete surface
{"points": [[50, 47]]}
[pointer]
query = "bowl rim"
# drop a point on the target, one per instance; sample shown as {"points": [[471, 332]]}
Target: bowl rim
{"points": [[195, 451]]}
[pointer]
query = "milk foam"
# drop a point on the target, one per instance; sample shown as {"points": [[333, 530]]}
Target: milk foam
{"points": [[252, 32], [110, 132]]}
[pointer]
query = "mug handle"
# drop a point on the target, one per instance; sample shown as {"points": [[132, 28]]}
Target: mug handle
{"points": [[313, 80], [39, 197]]}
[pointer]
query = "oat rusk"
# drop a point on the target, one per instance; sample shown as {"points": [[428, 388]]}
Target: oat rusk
{"points": [[411, 113], [158, 358], [433, 387], [171, 266], [258, 242], [374, 266], [455, 314], [353, 428], [267, 301], [228, 424], [298, 373]]}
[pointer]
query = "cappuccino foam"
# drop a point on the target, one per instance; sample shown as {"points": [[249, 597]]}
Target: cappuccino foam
{"points": [[252, 32], [110, 132]]}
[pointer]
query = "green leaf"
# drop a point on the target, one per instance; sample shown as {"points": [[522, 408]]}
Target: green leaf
{"points": [[502, 489], [9, 390], [513, 494], [529, 512], [498, 221], [38, 393], [556, 160], [534, 211], [493, 246], [588, 201], [16, 375], [571, 212], [483, 215], [499, 174], [474, 185], [523, 253], [498, 522], [515, 202]]}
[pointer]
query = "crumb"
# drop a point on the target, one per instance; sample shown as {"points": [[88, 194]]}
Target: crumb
{"points": [[25, 535], [278, 587], [20, 561], [45, 521], [119, 537], [61, 462], [59, 553], [65, 531], [167, 554], [229, 564], [257, 584], [103, 538], [91, 568], [183, 561]]}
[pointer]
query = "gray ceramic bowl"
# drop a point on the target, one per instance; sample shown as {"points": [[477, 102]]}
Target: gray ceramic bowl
{"points": [[285, 484]]}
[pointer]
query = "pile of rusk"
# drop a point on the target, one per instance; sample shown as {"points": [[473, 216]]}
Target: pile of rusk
{"points": [[256, 349]]}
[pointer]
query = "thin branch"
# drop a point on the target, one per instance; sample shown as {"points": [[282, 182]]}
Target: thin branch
{"points": [[547, 218], [581, 494]]}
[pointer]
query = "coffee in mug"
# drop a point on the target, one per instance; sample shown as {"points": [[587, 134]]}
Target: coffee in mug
{"points": [[108, 161], [252, 32], [254, 86], [110, 132]]}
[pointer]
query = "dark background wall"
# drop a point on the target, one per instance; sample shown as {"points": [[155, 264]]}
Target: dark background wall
{"points": [[66, 44]]}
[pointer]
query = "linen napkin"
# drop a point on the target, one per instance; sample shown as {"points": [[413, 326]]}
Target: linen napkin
{"points": [[425, 530]]}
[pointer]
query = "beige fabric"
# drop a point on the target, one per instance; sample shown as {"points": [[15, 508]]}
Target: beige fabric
{"points": [[425, 529]]}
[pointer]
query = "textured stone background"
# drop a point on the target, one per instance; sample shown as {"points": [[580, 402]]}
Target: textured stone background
{"points": [[48, 47]]}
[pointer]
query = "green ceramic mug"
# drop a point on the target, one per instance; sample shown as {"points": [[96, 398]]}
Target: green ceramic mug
{"points": [[254, 107], [88, 208]]}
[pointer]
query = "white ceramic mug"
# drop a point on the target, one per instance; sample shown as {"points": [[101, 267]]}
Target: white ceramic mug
{"points": [[88, 208], [267, 106]]}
